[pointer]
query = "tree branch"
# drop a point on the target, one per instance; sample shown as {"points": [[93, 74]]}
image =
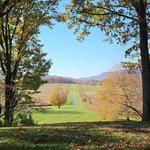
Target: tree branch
{"points": [[107, 9]]}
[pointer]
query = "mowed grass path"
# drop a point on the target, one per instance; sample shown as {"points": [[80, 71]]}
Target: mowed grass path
{"points": [[73, 111]]}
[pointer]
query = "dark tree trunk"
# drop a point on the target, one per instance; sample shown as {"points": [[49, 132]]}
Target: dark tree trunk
{"points": [[9, 102], [145, 61], [0, 108], [128, 119]]}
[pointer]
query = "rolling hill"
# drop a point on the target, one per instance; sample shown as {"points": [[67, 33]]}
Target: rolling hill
{"points": [[96, 78], [60, 79]]}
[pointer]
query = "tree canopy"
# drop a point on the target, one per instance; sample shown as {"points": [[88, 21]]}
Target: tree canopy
{"points": [[22, 60], [120, 95], [128, 22]]}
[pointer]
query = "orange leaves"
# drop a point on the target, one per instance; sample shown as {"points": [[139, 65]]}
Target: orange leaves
{"points": [[58, 96], [107, 100], [120, 95]]}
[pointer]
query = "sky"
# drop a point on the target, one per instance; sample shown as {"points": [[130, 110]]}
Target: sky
{"points": [[72, 58]]}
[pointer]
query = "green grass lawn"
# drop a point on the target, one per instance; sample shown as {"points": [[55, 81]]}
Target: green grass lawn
{"points": [[77, 136], [73, 111], [68, 113]]}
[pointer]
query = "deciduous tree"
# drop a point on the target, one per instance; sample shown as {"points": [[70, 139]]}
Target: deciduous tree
{"points": [[120, 95], [127, 21], [6, 6], [21, 59], [58, 97], [1, 93]]}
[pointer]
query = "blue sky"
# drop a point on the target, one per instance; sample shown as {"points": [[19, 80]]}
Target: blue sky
{"points": [[74, 59]]}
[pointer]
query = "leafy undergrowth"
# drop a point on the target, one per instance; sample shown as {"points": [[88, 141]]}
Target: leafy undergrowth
{"points": [[77, 136]]}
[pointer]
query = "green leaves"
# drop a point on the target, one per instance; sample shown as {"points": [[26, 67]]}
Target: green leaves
{"points": [[117, 18], [21, 57]]}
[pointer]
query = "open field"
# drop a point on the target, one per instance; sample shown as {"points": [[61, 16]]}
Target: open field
{"points": [[78, 136], [84, 90], [89, 90], [68, 113], [73, 111], [45, 90]]}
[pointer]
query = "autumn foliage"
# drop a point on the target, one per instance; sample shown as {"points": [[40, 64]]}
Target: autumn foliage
{"points": [[84, 99], [58, 96], [120, 95]]}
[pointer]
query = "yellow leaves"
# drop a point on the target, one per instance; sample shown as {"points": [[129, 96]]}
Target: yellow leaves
{"points": [[117, 92], [18, 30], [58, 96], [14, 55]]}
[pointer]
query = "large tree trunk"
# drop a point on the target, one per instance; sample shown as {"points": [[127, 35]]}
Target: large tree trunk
{"points": [[145, 61], [9, 102]]}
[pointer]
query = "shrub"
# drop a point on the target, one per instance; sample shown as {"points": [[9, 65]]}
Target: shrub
{"points": [[84, 99], [1, 123], [23, 119]]}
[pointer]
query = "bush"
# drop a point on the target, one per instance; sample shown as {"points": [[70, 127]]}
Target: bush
{"points": [[84, 99], [1, 123], [23, 119]]}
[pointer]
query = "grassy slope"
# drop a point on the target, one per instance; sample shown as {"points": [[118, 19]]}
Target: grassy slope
{"points": [[77, 136], [68, 113]]}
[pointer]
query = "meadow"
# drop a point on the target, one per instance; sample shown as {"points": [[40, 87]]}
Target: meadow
{"points": [[73, 111]]}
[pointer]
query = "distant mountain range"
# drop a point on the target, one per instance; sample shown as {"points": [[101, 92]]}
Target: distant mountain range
{"points": [[60, 79], [96, 78]]}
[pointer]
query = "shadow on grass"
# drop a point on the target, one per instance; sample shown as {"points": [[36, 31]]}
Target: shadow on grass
{"points": [[71, 136], [51, 139], [131, 126], [124, 125], [59, 111]]}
